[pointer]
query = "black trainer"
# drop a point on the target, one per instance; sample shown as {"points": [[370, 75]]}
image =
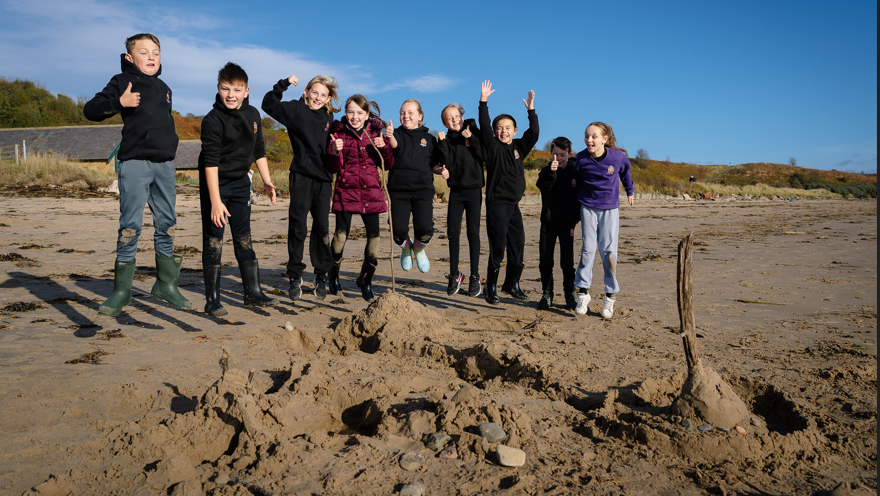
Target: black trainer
{"points": [[321, 287], [454, 283], [474, 286], [295, 292]]}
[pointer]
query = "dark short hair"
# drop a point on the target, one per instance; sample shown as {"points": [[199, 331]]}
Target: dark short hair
{"points": [[562, 143], [501, 118], [232, 73], [131, 40]]}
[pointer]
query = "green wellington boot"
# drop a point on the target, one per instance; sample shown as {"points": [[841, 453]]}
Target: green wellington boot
{"points": [[121, 296], [165, 288]]}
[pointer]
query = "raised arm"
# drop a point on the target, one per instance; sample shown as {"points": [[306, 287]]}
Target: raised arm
{"points": [[530, 137], [488, 135], [273, 105]]}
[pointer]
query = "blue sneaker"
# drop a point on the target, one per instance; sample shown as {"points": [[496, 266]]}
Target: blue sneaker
{"points": [[406, 255], [422, 261]]}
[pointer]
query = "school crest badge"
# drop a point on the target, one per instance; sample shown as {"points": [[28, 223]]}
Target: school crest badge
{"points": [[574, 183], [168, 96], [516, 154], [611, 169], [467, 142], [424, 142], [327, 127], [255, 127]]}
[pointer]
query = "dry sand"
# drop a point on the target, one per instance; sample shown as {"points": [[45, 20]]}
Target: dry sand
{"points": [[785, 296]]}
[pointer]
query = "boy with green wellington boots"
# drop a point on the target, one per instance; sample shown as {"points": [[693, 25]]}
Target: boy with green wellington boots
{"points": [[146, 173]]}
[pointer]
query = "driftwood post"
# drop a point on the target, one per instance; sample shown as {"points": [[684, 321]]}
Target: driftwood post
{"points": [[686, 300], [704, 394], [382, 172]]}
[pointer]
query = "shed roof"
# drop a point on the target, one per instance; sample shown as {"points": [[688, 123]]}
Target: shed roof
{"points": [[88, 143]]}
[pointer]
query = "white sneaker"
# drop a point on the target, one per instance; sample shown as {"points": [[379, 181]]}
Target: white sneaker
{"points": [[608, 308], [583, 299]]}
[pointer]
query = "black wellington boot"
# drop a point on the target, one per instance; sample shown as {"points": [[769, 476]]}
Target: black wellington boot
{"points": [[213, 307], [491, 283], [334, 287], [250, 279], [511, 282], [365, 281]]}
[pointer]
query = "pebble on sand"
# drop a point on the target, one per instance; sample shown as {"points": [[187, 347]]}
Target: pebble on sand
{"points": [[492, 432], [413, 489], [288, 326], [723, 429], [705, 427], [741, 430], [436, 440], [221, 479], [686, 424], [450, 453], [756, 421], [510, 457], [411, 461]]}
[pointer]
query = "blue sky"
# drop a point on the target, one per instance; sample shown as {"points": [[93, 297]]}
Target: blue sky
{"points": [[698, 82]]}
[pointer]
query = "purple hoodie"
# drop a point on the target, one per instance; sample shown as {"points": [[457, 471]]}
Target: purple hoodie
{"points": [[599, 180]]}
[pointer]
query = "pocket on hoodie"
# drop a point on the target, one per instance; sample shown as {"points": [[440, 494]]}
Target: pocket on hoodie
{"points": [[158, 144]]}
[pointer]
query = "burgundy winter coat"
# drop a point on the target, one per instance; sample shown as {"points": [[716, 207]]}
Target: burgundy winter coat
{"points": [[358, 185]]}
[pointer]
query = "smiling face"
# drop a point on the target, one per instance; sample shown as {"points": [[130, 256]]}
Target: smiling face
{"points": [[451, 118], [410, 117], [595, 140], [356, 116], [505, 130], [145, 55], [560, 156], [316, 96], [232, 94]]}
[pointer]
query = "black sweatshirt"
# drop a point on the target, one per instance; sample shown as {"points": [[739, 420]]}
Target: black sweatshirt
{"points": [[232, 139], [463, 157], [559, 204], [415, 156], [307, 128], [506, 181], [148, 129]]}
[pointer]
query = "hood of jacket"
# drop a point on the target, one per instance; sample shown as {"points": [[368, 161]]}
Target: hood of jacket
{"points": [[221, 107], [464, 125], [130, 68]]}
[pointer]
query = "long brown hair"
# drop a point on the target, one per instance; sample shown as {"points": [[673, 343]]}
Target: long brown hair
{"points": [[609, 134], [365, 105]]}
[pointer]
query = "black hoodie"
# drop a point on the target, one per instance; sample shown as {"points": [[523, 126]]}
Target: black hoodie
{"points": [[559, 203], [463, 157], [148, 129], [415, 156], [506, 180], [232, 139], [307, 128]]}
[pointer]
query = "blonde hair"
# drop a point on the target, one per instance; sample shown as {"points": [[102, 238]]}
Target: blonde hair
{"points": [[418, 105], [130, 42], [332, 105], [608, 133], [452, 105]]}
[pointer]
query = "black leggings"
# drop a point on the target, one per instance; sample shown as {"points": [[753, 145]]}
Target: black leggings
{"points": [[236, 196], [504, 227], [421, 206], [547, 249], [343, 227], [467, 202]]}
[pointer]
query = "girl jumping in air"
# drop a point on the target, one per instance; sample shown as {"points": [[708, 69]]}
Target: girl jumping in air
{"points": [[461, 156], [411, 184], [353, 154], [598, 172]]}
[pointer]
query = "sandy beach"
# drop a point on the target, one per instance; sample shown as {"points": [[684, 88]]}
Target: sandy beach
{"points": [[325, 397]]}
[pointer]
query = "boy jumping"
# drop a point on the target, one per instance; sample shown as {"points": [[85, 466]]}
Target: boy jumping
{"points": [[505, 186], [146, 173]]}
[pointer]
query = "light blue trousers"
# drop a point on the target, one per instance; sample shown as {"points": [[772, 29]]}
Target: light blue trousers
{"points": [[152, 183], [599, 229]]}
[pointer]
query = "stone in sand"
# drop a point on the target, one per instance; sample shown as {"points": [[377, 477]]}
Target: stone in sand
{"points": [[741, 430], [411, 461], [450, 453], [510, 457], [413, 489], [705, 427], [436, 440], [492, 432], [686, 424]]}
